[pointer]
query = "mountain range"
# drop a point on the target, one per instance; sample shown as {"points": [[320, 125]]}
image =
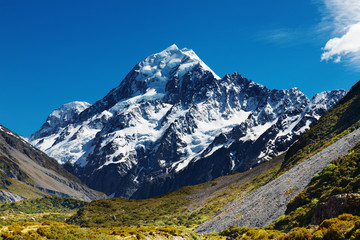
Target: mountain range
{"points": [[309, 192], [173, 122]]}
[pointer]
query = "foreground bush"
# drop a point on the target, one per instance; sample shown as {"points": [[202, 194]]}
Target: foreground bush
{"points": [[346, 226]]}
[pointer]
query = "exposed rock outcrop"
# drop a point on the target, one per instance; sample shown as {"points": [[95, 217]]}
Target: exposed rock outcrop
{"points": [[6, 196], [336, 205]]}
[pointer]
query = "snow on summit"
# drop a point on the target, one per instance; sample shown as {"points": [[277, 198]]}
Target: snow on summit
{"points": [[171, 62], [66, 111]]}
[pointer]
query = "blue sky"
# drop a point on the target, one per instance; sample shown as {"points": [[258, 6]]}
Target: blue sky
{"points": [[58, 51]]}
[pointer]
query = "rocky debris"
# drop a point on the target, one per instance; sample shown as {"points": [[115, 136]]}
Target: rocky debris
{"points": [[267, 203], [6, 196], [336, 205]]}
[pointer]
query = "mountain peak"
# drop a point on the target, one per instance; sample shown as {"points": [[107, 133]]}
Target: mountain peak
{"points": [[61, 117], [172, 48], [169, 63], [76, 106], [67, 112]]}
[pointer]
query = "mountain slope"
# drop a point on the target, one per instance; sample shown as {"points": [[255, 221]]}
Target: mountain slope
{"points": [[341, 176], [188, 206], [29, 172], [330, 193], [338, 122], [302, 180], [266, 204], [173, 122]]}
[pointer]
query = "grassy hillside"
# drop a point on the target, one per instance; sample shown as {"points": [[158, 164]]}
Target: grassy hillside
{"points": [[188, 206], [334, 124], [41, 209], [341, 176], [45, 204]]}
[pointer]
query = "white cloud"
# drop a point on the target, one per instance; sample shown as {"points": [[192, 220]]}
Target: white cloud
{"points": [[344, 17], [349, 43]]}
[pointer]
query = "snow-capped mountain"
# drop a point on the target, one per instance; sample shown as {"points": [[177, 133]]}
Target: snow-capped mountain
{"points": [[173, 122], [60, 117]]}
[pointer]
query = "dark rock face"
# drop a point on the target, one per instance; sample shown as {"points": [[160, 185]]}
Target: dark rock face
{"points": [[336, 205], [173, 122]]}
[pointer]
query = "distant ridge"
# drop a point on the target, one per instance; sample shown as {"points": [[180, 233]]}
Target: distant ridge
{"points": [[29, 173]]}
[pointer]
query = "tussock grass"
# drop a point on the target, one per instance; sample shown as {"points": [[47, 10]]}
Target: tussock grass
{"points": [[56, 230], [47, 208]]}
